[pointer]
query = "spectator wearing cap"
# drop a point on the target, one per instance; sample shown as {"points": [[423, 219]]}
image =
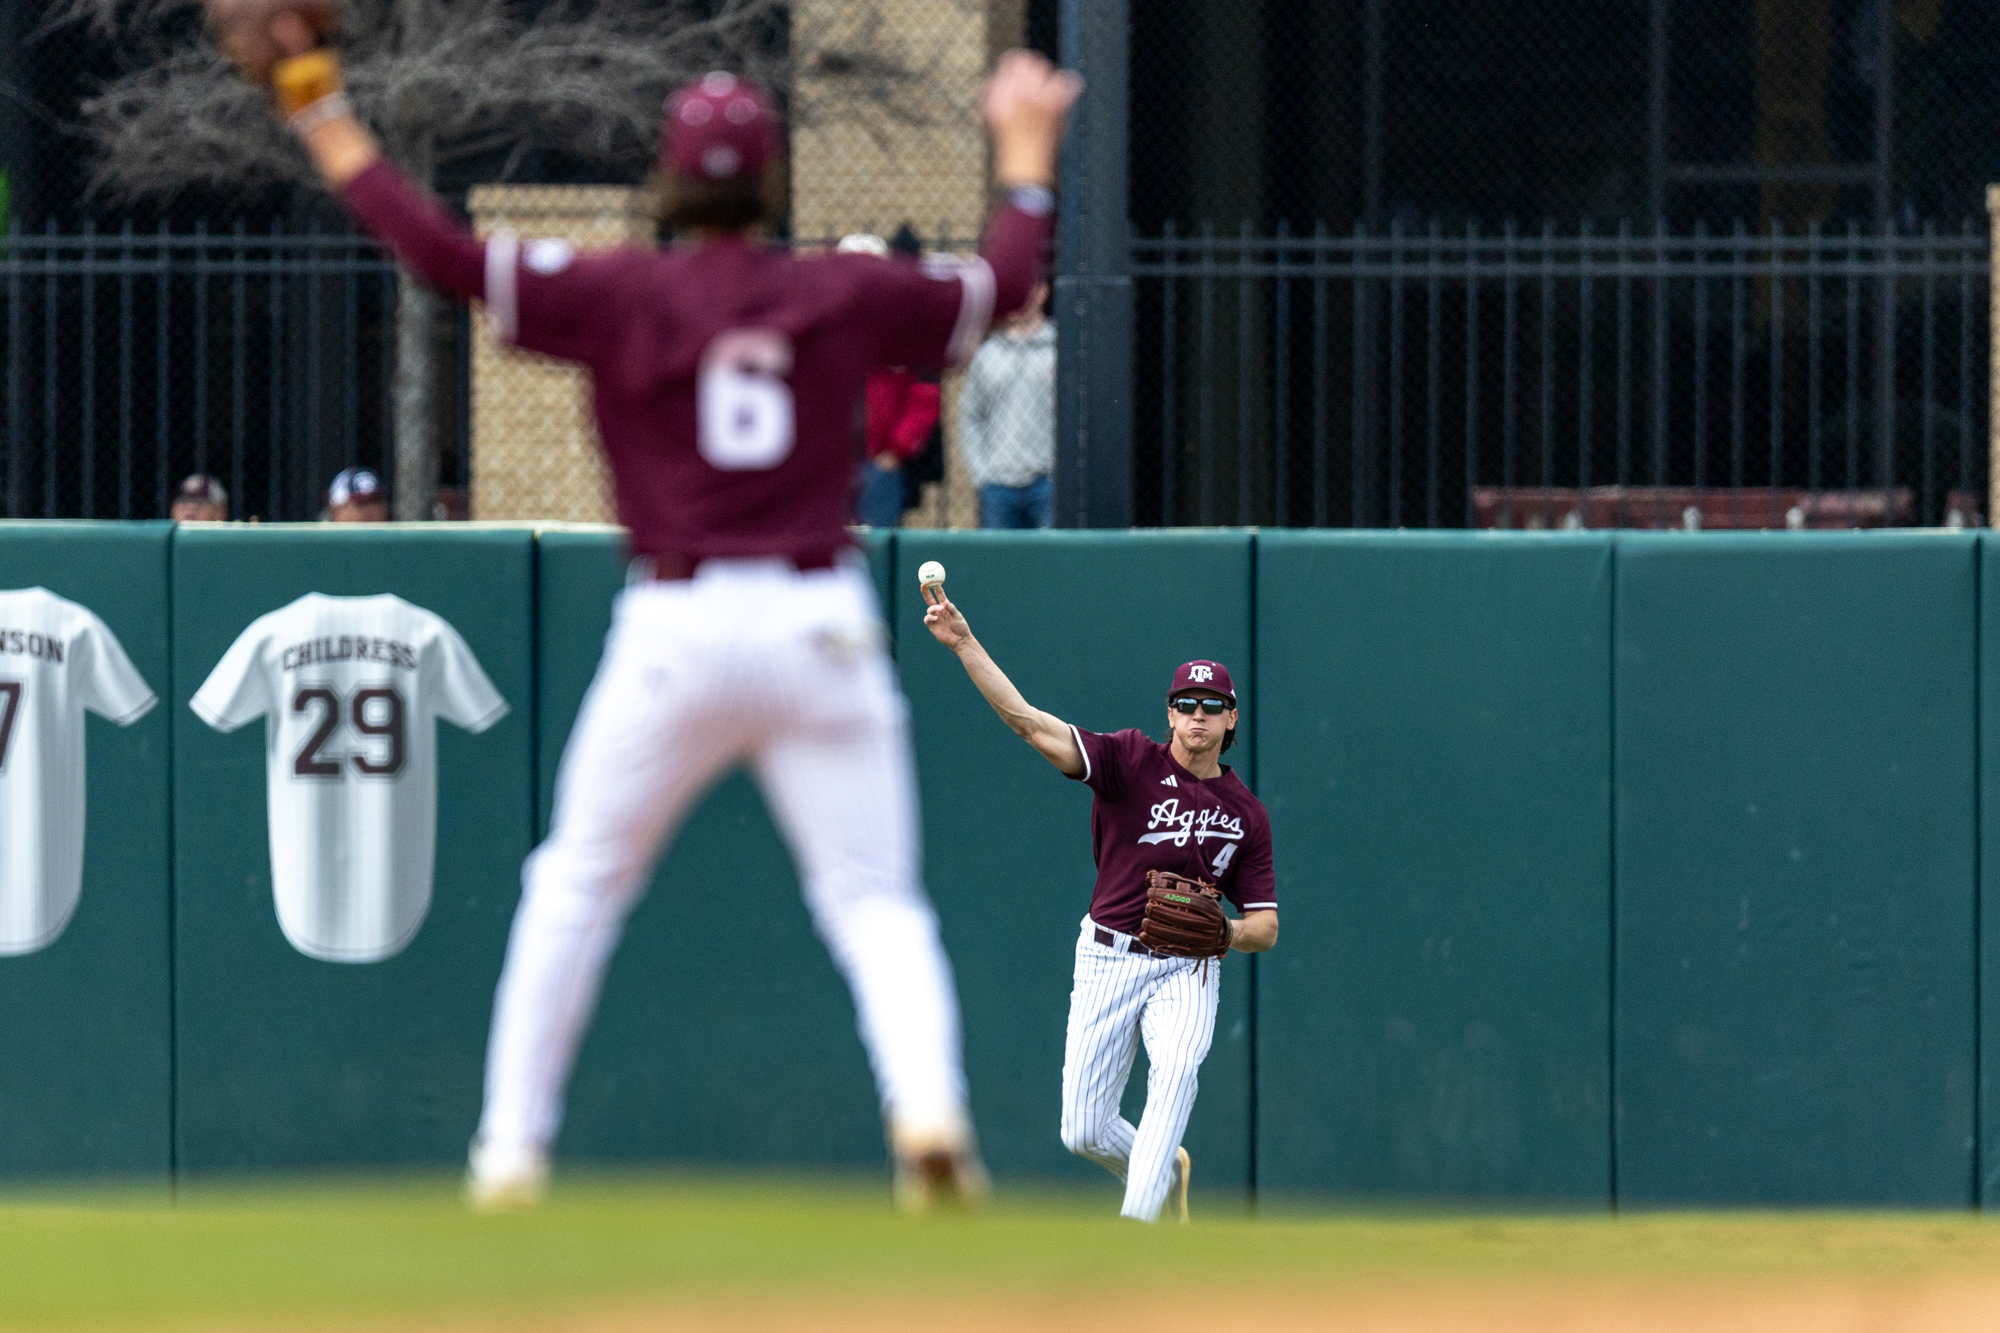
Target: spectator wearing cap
{"points": [[356, 497], [200, 499], [1007, 419], [898, 413]]}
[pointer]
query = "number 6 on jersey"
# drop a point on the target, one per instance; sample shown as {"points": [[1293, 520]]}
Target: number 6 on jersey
{"points": [[743, 406]]}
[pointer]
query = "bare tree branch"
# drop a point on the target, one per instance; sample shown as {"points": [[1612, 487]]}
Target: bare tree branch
{"points": [[445, 80]]}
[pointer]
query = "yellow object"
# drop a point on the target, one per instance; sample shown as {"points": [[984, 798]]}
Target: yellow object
{"points": [[299, 81]]}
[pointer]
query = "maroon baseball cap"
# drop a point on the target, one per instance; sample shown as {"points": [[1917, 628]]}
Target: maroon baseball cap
{"points": [[1202, 675], [720, 127]]}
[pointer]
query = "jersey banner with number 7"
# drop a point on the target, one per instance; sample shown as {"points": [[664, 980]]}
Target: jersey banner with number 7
{"points": [[57, 661], [350, 689]]}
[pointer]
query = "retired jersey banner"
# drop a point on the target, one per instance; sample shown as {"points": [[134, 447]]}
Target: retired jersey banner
{"points": [[351, 690], [355, 798], [85, 994], [57, 661]]}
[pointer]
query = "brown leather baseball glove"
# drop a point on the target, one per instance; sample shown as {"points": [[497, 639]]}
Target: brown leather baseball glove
{"points": [[1183, 917], [248, 30]]}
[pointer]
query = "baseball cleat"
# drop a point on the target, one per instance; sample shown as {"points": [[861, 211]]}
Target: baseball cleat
{"points": [[505, 1178], [937, 1166], [1183, 1168]]}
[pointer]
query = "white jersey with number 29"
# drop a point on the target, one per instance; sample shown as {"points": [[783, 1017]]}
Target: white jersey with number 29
{"points": [[351, 688], [57, 660]]}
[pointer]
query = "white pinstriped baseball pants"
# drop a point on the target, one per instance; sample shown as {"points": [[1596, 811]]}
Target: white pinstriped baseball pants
{"points": [[1119, 998], [748, 662]]}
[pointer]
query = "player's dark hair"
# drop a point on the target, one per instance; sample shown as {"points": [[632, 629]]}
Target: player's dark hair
{"points": [[736, 204]]}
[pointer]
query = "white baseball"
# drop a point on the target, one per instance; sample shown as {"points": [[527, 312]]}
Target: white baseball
{"points": [[930, 574]]}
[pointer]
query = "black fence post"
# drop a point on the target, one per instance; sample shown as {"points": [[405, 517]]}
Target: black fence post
{"points": [[1094, 320]]}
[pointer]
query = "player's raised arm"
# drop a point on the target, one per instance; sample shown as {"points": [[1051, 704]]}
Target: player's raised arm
{"points": [[281, 45], [938, 315], [1049, 734], [1025, 104]]}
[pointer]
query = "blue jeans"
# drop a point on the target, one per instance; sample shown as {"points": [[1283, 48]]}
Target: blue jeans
{"points": [[881, 502], [1016, 506]]}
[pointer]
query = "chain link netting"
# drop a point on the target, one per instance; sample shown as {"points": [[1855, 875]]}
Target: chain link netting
{"points": [[129, 360], [886, 137], [1683, 244], [1798, 303]]}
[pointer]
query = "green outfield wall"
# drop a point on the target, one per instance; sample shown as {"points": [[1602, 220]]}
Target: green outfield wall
{"points": [[1614, 868], [724, 1033], [1435, 751], [86, 1036], [1090, 626], [283, 1059], [1797, 862]]}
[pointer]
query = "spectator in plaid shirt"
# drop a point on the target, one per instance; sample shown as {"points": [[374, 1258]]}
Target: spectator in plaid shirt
{"points": [[1007, 419]]}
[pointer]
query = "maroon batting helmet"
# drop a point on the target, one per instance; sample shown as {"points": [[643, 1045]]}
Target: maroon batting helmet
{"points": [[719, 127]]}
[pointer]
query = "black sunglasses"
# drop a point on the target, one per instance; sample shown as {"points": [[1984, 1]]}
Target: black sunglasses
{"points": [[1187, 703]]}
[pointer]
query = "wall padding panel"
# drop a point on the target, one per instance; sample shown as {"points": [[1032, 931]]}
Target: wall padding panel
{"points": [[724, 1033], [1796, 864], [1091, 627], [85, 1036], [285, 1059], [1435, 749]]}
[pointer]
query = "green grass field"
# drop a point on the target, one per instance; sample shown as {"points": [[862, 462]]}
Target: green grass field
{"points": [[633, 1250]]}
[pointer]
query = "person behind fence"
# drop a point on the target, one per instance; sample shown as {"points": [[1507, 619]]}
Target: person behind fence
{"points": [[356, 497], [200, 499], [1007, 419], [926, 466], [898, 412]]}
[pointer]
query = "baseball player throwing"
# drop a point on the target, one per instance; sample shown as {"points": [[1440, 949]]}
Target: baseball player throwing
{"points": [[725, 379], [1171, 827]]}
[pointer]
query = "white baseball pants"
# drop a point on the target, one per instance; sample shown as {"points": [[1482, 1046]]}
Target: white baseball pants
{"points": [[749, 661], [1119, 998]]}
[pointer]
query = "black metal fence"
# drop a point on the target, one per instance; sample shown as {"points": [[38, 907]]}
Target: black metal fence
{"points": [[1422, 379], [1418, 378], [131, 359]]}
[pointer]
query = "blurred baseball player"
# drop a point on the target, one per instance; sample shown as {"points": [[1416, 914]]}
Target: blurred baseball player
{"points": [[726, 376], [1167, 822]]}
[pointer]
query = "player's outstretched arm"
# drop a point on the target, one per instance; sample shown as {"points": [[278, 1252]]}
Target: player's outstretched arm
{"points": [[1025, 104], [280, 45], [1049, 734]]}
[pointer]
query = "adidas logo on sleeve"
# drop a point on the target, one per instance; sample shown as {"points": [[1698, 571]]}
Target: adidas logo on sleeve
{"points": [[350, 689], [57, 662]]}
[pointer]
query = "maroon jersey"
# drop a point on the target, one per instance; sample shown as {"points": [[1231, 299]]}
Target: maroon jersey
{"points": [[1152, 814], [726, 375]]}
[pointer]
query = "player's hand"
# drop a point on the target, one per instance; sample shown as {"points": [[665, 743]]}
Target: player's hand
{"points": [[1025, 103], [945, 621], [259, 35]]}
